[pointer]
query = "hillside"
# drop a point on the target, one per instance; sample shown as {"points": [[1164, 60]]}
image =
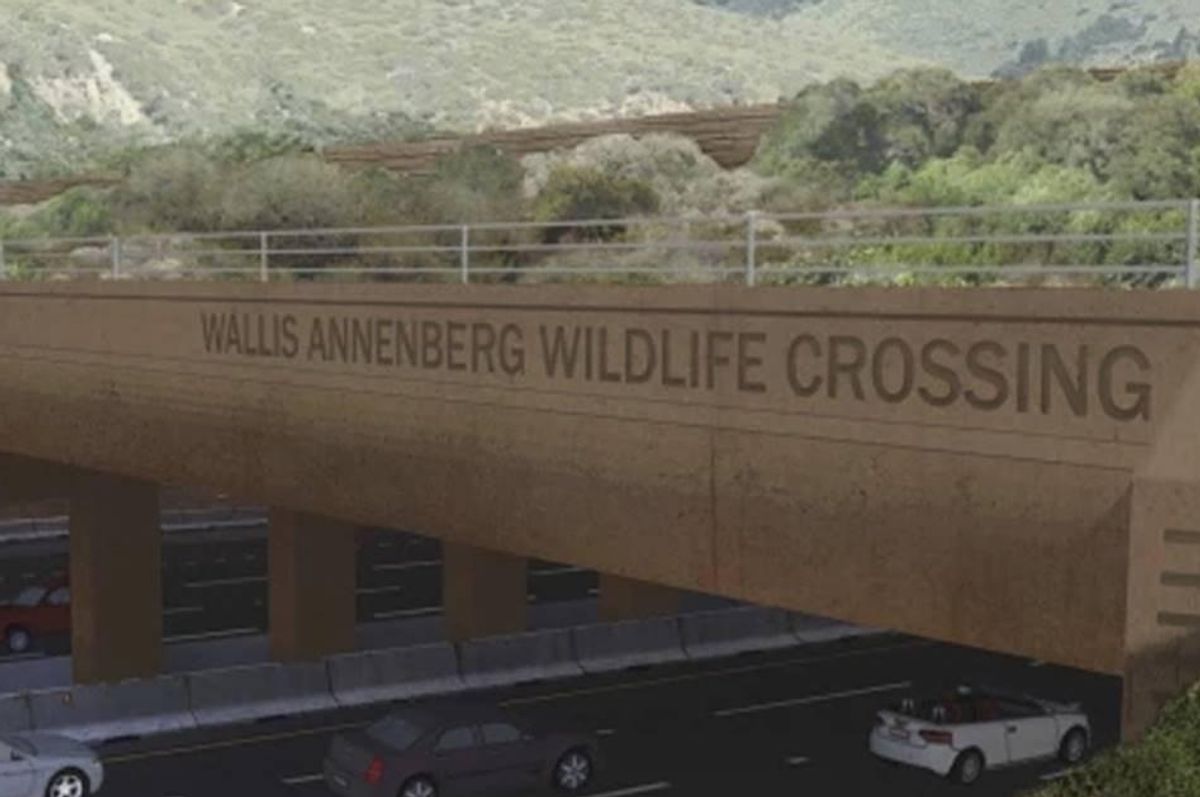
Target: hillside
{"points": [[81, 79]]}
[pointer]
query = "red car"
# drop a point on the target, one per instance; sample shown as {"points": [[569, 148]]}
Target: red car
{"points": [[35, 612]]}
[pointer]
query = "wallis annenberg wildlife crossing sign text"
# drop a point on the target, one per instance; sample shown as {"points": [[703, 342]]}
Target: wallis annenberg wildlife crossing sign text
{"points": [[800, 359]]}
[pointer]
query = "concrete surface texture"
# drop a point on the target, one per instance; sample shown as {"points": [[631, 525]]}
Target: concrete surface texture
{"points": [[973, 466]]}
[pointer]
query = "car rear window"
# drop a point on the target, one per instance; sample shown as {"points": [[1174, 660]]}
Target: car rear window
{"points": [[396, 732]]}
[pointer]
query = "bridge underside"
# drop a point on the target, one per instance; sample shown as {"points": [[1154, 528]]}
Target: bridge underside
{"points": [[994, 469]]}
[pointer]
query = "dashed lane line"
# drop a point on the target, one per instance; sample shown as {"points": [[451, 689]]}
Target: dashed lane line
{"points": [[225, 582], [632, 790], [228, 632], [810, 699]]}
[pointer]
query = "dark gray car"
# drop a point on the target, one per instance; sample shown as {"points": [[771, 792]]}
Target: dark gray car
{"points": [[455, 751]]}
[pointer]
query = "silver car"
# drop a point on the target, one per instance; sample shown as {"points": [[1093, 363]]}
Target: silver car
{"points": [[47, 765]]}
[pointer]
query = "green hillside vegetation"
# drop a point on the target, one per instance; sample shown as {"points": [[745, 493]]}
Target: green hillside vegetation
{"points": [[918, 137], [79, 80]]}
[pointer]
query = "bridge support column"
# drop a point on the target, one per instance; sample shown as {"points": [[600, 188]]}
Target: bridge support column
{"points": [[628, 599], [116, 578], [312, 573], [483, 592]]}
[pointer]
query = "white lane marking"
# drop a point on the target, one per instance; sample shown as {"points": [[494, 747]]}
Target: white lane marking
{"points": [[593, 591], [170, 610], [379, 590], [559, 571], [224, 582], [1062, 773], [391, 566], [803, 701], [797, 760], [297, 780], [407, 613], [1036, 663], [249, 557], [211, 635], [606, 732], [649, 787]]}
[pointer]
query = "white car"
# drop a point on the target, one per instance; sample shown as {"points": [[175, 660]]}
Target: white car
{"points": [[47, 765], [961, 734]]}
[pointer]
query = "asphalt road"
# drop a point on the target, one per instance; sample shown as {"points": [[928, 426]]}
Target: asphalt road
{"points": [[787, 723], [215, 583]]}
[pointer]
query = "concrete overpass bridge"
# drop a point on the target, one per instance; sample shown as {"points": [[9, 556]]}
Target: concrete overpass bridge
{"points": [[1017, 470]]}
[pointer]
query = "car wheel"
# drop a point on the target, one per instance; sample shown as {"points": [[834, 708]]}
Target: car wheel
{"points": [[968, 767], [18, 639], [573, 771], [418, 787], [68, 783], [1074, 746]]}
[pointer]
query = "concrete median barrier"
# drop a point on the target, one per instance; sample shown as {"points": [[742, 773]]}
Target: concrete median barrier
{"points": [[505, 660], [14, 713], [379, 676], [242, 694], [807, 628], [617, 646], [731, 631], [111, 711]]}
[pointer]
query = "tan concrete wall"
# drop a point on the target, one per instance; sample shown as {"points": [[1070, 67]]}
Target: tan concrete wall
{"points": [[936, 489]]}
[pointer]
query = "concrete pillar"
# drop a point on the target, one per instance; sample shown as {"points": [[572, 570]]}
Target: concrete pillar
{"points": [[628, 599], [311, 567], [483, 592], [116, 578]]}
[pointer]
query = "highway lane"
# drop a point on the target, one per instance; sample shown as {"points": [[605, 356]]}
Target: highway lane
{"points": [[785, 723], [215, 582]]}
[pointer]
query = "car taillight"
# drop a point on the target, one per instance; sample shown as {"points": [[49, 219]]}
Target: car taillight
{"points": [[937, 737], [374, 772]]}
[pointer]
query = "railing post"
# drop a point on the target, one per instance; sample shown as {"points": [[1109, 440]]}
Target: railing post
{"points": [[115, 244], [464, 254], [1193, 278], [264, 274], [751, 245], [3, 262]]}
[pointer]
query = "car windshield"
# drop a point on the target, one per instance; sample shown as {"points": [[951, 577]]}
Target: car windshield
{"points": [[398, 733], [30, 596]]}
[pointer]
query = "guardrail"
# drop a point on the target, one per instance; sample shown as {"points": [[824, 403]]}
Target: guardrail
{"points": [[1149, 244], [169, 703]]}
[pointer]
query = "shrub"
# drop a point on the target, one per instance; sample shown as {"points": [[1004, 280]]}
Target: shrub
{"points": [[581, 193], [171, 189]]}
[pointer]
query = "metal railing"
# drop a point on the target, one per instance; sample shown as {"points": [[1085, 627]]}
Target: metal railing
{"points": [[1147, 244]]}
